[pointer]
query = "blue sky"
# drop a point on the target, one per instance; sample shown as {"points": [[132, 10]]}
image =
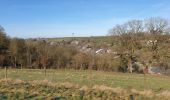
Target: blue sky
{"points": [[60, 18]]}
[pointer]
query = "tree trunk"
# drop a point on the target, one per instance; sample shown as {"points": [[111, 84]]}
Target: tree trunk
{"points": [[15, 62], [130, 66]]}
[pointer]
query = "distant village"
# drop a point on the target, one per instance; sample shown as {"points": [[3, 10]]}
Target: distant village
{"points": [[107, 48]]}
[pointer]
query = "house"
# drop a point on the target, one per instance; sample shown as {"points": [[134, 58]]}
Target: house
{"points": [[75, 42], [151, 42], [53, 43], [155, 70], [99, 51]]}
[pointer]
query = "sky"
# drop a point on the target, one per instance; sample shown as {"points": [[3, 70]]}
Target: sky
{"points": [[61, 18]]}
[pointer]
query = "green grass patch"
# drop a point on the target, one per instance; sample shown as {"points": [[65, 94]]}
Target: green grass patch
{"points": [[85, 77]]}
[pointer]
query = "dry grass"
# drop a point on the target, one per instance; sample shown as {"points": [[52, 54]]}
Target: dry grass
{"points": [[42, 89]]}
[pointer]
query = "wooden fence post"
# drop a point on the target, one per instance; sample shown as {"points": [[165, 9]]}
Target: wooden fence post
{"points": [[45, 72], [6, 73]]}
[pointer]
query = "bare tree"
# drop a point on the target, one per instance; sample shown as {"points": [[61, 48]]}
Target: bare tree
{"points": [[157, 25], [135, 26], [18, 51], [128, 39], [118, 30]]}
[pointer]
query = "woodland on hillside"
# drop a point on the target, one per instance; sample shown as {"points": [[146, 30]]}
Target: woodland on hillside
{"points": [[144, 41]]}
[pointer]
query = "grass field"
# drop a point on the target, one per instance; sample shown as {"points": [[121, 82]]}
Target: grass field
{"points": [[90, 78], [94, 39]]}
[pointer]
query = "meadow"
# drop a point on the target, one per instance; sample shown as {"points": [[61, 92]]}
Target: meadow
{"points": [[89, 78], [34, 84]]}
